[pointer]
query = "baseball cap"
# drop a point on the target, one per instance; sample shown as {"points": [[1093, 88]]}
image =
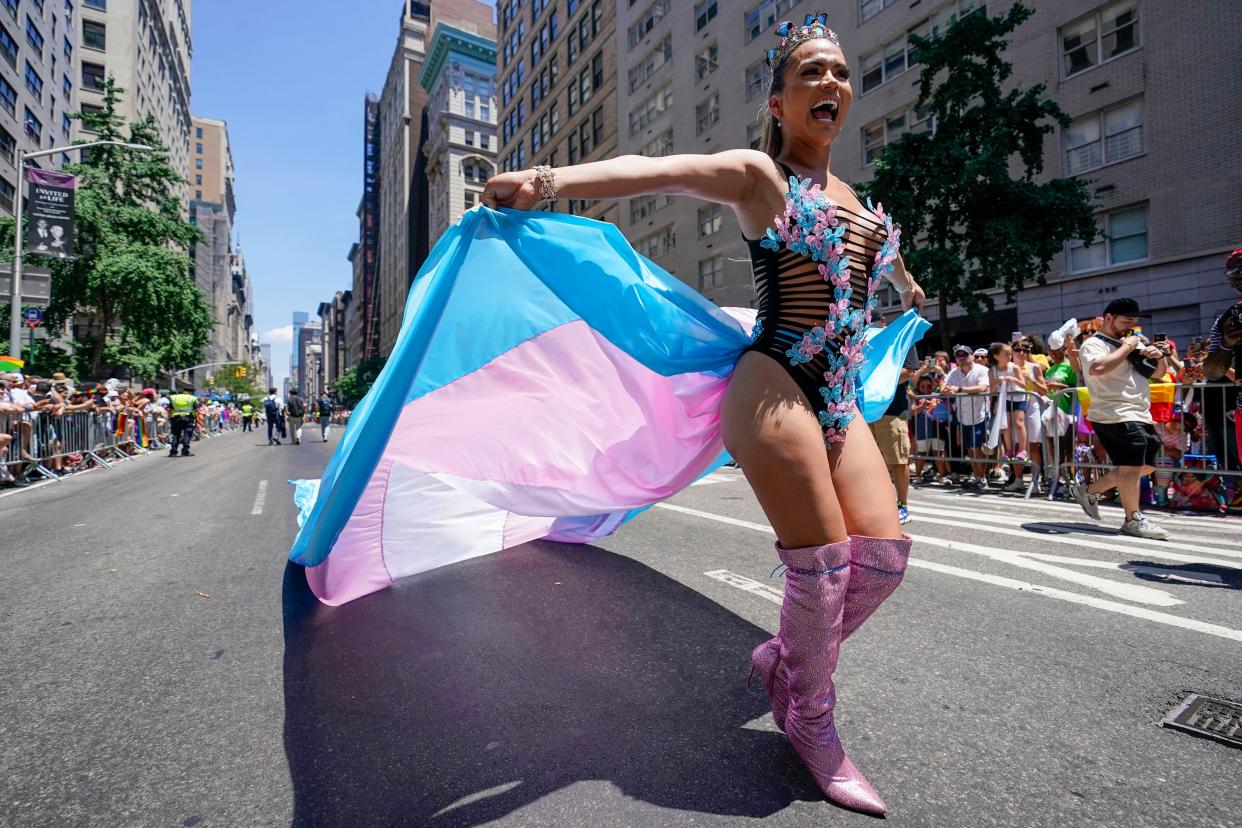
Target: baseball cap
{"points": [[961, 349], [1124, 307], [981, 352]]}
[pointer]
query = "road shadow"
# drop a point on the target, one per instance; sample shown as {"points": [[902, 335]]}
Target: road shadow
{"points": [[474, 690], [1210, 576], [1045, 527]]}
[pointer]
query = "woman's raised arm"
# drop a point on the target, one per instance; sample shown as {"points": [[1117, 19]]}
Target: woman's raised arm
{"points": [[723, 177]]}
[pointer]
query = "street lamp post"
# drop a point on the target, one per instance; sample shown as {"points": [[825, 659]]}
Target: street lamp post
{"points": [[15, 294]]}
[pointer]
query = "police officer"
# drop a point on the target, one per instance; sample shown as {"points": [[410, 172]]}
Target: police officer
{"points": [[181, 413], [247, 412]]}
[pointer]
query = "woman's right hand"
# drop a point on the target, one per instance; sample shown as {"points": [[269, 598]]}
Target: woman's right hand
{"points": [[511, 189]]}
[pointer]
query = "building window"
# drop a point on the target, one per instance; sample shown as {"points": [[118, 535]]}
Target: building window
{"points": [[756, 77], [8, 145], [11, 6], [102, 5], [198, 163], [762, 16], [650, 109], [470, 137], [198, 195], [1104, 137], [33, 36], [33, 82], [879, 134], [67, 86], [886, 63], [653, 15], [706, 62], [92, 76], [8, 47], [94, 35], [469, 199], [66, 124], [1096, 38], [1124, 240], [597, 125], [754, 134], [659, 243], [34, 127], [198, 180], [198, 132], [704, 13], [710, 219], [711, 273], [198, 147], [658, 146], [868, 9], [651, 63], [7, 193], [707, 113], [644, 206]]}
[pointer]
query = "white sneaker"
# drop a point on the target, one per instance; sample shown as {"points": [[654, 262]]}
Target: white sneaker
{"points": [[1090, 503], [1140, 527]]}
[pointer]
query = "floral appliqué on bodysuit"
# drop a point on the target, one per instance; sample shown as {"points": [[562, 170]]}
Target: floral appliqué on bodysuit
{"points": [[810, 226]]}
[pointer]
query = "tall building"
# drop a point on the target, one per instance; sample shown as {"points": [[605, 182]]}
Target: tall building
{"points": [[146, 46], [459, 77], [1145, 140], [219, 269], [557, 70], [334, 319], [308, 348], [40, 48], [300, 318], [400, 119]]}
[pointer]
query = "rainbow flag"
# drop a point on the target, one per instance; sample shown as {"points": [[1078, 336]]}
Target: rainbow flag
{"points": [[8, 363]]}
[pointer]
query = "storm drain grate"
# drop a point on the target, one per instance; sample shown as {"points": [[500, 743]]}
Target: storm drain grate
{"points": [[1205, 716]]}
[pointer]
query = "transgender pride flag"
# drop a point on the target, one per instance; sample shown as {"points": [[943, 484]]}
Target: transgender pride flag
{"points": [[547, 382]]}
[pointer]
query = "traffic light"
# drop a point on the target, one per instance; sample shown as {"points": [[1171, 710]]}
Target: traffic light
{"points": [[210, 380], [244, 370]]}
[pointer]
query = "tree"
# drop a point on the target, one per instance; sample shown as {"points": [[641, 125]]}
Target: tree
{"points": [[130, 287], [238, 379], [353, 384], [973, 225]]}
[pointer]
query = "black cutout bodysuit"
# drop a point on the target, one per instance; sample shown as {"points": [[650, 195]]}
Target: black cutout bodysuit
{"points": [[816, 274]]}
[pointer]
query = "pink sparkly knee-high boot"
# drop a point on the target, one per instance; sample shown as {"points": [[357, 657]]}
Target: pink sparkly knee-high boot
{"points": [[877, 566], [811, 622]]}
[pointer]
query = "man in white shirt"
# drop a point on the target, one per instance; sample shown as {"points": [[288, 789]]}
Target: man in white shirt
{"points": [[1116, 365], [970, 412]]}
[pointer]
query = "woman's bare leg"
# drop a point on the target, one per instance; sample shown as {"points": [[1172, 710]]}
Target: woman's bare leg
{"points": [[771, 431], [858, 461]]}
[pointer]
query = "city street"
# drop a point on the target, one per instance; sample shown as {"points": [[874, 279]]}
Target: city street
{"points": [[164, 666]]}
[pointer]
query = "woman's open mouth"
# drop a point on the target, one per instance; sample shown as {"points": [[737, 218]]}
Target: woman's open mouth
{"points": [[825, 111]]}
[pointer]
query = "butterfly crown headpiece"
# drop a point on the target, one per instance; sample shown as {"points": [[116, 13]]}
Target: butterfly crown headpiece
{"points": [[814, 26]]}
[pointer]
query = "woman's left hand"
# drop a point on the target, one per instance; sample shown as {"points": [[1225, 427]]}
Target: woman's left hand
{"points": [[915, 298]]}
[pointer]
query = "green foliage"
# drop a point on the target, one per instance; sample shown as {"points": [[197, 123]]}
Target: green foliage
{"points": [[227, 379], [354, 384], [971, 224], [45, 359], [131, 280]]}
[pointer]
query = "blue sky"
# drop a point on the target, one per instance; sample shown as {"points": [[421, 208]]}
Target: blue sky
{"points": [[289, 78]]}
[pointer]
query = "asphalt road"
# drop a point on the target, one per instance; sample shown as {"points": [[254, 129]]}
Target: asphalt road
{"points": [[163, 666]]}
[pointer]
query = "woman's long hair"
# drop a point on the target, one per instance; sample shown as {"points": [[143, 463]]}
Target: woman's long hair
{"points": [[770, 140]]}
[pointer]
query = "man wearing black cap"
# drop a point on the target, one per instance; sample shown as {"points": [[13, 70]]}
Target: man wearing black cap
{"points": [[1116, 365]]}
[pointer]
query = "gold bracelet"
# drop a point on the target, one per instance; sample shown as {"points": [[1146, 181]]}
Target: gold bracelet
{"points": [[546, 178]]}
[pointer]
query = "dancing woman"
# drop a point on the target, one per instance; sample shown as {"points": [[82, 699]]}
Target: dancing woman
{"points": [[789, 416]]}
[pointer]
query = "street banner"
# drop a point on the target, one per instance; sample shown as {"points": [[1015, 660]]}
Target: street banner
{"points": [[49, 212]]}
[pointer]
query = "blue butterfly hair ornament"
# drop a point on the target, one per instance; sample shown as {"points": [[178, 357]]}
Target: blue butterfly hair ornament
{"points": [[813, 26]]}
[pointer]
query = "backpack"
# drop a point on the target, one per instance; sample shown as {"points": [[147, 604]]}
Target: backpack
{"points": [[270, 408], [296, 407]]}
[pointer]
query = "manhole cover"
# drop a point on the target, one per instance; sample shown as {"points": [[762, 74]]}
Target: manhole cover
{"points": [[1205, 716]]}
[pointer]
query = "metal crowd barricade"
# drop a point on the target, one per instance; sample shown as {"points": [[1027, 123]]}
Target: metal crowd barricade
{"points": [[1196, 435], [942, 437]]}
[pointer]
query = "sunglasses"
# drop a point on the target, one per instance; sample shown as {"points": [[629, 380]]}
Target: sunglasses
{"points": [[1021, 350]]}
